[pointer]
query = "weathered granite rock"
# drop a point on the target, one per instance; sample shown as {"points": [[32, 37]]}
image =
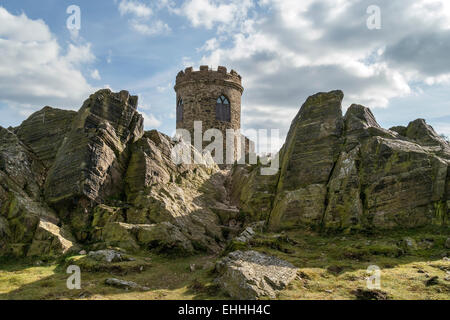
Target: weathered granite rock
{"points": [[97, 176], [345, 206], [398, 183], [27, 225], [162, 191], [164, 236], [51, 240], [252, 192], [91, 161], [119, 234], [250, 232], [342, 172], [401, 130], [307, 160], [44, 132], [422, 133], [123, 284], [20, 165], [408, 244], [249, 275], [106, 256]]}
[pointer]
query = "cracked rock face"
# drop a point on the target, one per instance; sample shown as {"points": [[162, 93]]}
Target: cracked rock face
{"points": [[28, 226], [95, 178], [341, 172], [44, 132], [96, 175], [92, 159], [249, 275], [308, 159]]}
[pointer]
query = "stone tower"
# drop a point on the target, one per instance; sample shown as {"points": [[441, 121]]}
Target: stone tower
{"points": [[213, 97]]}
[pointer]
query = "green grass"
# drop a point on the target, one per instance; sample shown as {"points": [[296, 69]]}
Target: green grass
{"points": [[168, 278], [331, 267], [335, 266]]}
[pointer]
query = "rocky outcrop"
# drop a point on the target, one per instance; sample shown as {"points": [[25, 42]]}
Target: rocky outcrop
{"points": [[249, 275], [307, 161], [51, 240], [422, 133], [95, 178], [252, 192], [27, 225], [44, 132], [95, 174], [342, 172], [19, 166], [92, 160], [178, 198]]}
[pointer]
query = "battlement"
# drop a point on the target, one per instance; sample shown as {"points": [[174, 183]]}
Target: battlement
{"points": [[206, 74]]}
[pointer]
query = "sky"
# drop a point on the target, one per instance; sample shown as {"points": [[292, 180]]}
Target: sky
{"points": [[391, 56]]}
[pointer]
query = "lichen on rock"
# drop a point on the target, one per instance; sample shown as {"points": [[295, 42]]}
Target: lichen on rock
{"points": [[250, 275]]}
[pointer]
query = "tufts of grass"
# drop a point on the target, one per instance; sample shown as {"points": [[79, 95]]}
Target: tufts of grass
{"points": [[331, 266]]}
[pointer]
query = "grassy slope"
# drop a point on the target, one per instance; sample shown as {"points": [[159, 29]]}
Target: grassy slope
{"points": [[332, 267]]}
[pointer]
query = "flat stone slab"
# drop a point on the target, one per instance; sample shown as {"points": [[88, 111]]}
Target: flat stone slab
{"points": [[249, 275], [106, 256], [123, 284]]}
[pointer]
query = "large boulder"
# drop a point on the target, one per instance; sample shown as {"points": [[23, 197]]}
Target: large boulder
{"points": [[422, 133], [107, 256], [92, 159], [307, 160], [249, 275], [163, 237], [401, 184], [51, 240], [44, 132]]}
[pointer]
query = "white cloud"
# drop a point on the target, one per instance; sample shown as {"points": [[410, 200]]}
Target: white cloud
{"points": [[442, 128], [150, 121], [33, 68], [298, 48], [210, 45], [140, 20], [80, 54], [208, 13], [150, 29], [135, 8], [95, 75]]}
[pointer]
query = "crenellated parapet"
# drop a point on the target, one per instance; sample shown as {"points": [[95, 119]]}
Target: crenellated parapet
{"points": [[209, 76]]}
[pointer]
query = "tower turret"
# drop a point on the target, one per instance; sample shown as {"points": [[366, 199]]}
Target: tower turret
{"points": [[210, 96]]}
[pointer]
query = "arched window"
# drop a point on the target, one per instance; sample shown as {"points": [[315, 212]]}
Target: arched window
{"points": [[180, 110], [223, 109]]}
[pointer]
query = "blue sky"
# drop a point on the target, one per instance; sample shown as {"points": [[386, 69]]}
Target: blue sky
{"points": [[285, 51]]}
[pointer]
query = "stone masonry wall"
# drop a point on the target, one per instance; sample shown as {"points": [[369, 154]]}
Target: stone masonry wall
{"points": [[199, 91]]}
